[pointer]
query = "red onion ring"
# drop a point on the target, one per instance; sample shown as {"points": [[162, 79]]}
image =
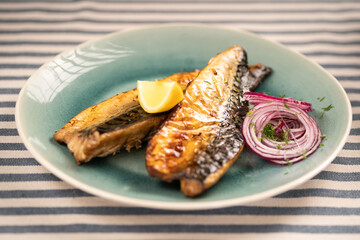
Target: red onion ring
{"points": [[304, 136], [255, 98]]}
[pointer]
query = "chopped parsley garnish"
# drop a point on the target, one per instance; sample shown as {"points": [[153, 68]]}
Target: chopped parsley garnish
{"points": [[207, 81], [249, 114], [282, 95], [270, 133], [322, 137], [286, 105], [286, 136], [321, 99], [289, 163], [326, 109]]}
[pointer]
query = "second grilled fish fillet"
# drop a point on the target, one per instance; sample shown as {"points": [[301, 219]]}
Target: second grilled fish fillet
{"points": [[120, 122], [202, 136]]}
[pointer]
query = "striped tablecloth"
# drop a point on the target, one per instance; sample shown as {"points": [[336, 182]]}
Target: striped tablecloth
{"points": [[36, 205]]}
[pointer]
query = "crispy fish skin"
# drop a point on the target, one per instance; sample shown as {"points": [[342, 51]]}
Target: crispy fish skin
{"points": [[116, 123], [202, 136]]}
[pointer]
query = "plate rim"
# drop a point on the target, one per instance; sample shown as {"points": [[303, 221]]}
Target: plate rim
{"points": [[167, 205]]}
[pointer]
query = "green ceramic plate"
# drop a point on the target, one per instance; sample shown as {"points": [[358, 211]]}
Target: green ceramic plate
{"points": [[97, 70]]}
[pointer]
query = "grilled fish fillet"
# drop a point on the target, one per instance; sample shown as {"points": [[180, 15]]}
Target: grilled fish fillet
{"points": [[202, 136], [116, 123], [120, 122]]}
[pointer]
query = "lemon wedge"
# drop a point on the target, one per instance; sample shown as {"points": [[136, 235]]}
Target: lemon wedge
{"points": [[159, 96]]}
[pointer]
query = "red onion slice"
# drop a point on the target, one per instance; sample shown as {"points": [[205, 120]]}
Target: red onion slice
{"points": [[255, 98], [304, 136]]}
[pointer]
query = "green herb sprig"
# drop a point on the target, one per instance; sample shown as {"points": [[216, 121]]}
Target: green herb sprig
{"points": [[326, 109], [321, 99]]}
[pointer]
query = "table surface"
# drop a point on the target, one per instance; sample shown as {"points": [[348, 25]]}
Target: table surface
{"points": [[36, 205]]}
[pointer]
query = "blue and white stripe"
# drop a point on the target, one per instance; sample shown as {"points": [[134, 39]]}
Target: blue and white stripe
{"points": [[36, 204]]}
